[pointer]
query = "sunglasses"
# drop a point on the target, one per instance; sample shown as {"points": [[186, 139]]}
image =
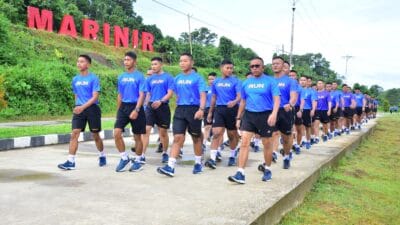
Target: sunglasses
{"points": [[255, 66]]}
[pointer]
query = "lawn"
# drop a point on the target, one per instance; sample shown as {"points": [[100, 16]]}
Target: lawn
{"points": [[363, 189]]}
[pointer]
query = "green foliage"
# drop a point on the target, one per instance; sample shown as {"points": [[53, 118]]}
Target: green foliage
{"points": [[385, 105], [225, 48], [393, 96], [3, 102]]}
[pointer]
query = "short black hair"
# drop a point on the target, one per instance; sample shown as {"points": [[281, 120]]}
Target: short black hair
{"points": [[309, 77], [157, 58], [305, 76], [212, 74], [279, 57], [226, 62], [87, 58], [293, 71], [345, 85], [313, 84], [329, 83], [187, 54], [320, 80], [131, 55], [259, 58], [285, 61]]}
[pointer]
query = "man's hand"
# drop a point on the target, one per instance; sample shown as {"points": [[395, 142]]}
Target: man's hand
{"points": [[156, 104], [287, 107], [199, 115], [78, 109], [299, 114], [335, 110], [133, 115], [329, 112], [271, 120], [238, 124], [312, 113], [209, 117], [231, 104]]}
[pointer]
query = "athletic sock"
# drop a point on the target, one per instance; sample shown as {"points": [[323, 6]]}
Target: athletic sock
{"points": [[213, 154], [102, 154], [124, 155], [241, 170], [197, 159], [171, 162], [267, 167], [137, 157], [233, 152], [71, 158]]}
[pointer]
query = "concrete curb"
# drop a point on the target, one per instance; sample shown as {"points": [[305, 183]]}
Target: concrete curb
{"points": [[296, 196], [52, 139]]}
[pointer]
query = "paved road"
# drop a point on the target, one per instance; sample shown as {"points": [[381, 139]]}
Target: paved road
{"points": [[34, 191]]}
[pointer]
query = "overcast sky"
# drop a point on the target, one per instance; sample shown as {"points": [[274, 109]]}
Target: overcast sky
{"points": [[369, 30]]}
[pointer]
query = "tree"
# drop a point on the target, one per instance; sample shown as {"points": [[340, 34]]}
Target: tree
{"points": [[375, 90], [225, 47], [393, 96], [202, 36]]}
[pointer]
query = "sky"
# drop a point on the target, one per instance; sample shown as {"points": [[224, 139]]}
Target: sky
{"points": [[368, 30]]}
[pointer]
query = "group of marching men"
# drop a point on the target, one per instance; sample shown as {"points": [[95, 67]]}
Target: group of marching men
{"points": [[261, 109]]}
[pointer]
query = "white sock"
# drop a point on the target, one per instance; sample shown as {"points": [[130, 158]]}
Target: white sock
{"points": [[71, 158], [197, 159], [171, 162], [142, 155], [102, 154], [286, 157], [136, 157], [267, 167], [312, 136], [124, 155], [213, 154], [233, 152], [256, 141], [296, 145], [241, 170]]}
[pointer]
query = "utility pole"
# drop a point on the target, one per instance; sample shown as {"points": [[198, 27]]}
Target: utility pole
{"points": [[292, 36], [347, 58], [190, 35]]}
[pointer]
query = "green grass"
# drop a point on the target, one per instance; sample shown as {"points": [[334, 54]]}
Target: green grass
{"points": [[363, 189], [47, 129]]}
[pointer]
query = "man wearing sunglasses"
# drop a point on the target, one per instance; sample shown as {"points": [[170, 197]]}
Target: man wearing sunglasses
{"points": [[284, 123], [257, 114]]}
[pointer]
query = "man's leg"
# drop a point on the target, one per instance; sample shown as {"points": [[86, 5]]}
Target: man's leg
{"points": [[145, 139]]}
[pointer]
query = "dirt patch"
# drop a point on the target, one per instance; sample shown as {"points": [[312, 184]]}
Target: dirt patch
{"points": [[357, 173], [334, 181], [101, 59]]}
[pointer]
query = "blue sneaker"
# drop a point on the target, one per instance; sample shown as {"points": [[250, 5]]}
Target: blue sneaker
{"points": [[347, 131], [312, 141], [324, 138], [267, 175], [222, 146], [102, 161], [197, 168], [67, 165], [252, 144], [226, 143], [142, 160], [121, 165], [308, 145], [316, 140], [238, 178], [218, 157], [286, 163], [211, 164], [166, 170], [330, 136], [274, 157], [164, 158], [303, 143], [297, 150], [232, 161], [256, 148], [136, 166], [290, 155]]}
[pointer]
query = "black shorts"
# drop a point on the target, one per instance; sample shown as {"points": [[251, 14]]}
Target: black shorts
{"points": [[205, 122], [367, 110], [91, 115], [348, 112], [359, 111], [334, 115], [375, 110], [160, 116], [225, 117], [256, 122], [321, 115], [184, 120], [138, 125], [339, 112], [284, 122], [306, 117], [297, 121]]}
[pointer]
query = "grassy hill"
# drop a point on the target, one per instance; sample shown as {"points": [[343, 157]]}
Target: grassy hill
{"points": [[37, 76]]}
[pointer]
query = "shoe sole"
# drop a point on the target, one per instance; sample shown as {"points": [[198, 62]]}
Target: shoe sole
{"points": [[136, 170], [232, 179], [66, 168], [161, 171], [266, 180], [210, 165]]}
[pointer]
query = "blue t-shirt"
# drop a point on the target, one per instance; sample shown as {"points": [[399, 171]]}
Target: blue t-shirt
{"points": [[359, 99], [299, 91], [188, 87], [208, 96], [83, 87], [309, 95], [286, 85], [226, 89], [129, 86], [323, 99], [158, 85], [335, 97], [347, 98], [259, 92]]}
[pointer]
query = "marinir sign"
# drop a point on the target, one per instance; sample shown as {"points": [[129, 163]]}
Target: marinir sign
{"points": [[43, 20]]}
